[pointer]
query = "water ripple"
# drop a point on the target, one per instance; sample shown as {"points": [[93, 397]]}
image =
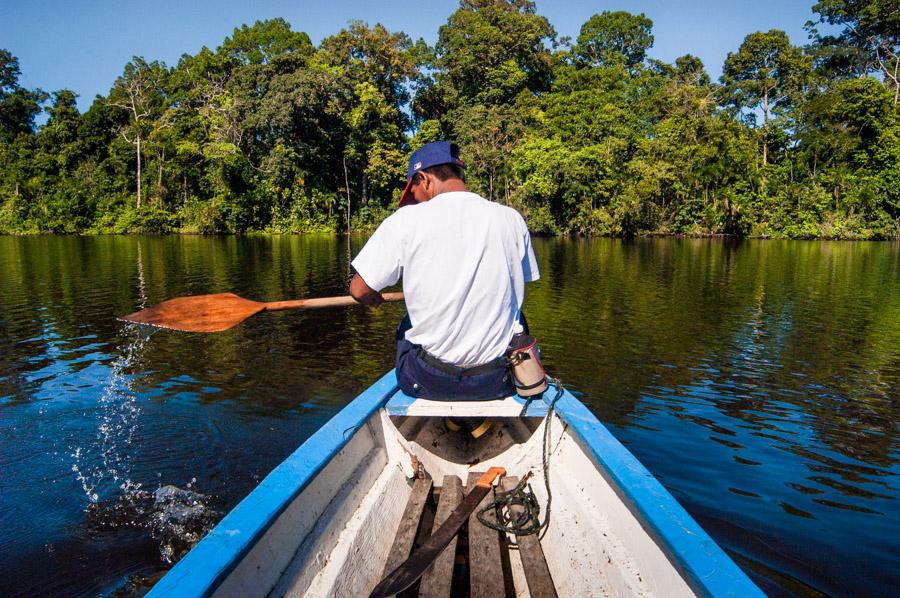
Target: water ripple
{"points": [[758, 381]]}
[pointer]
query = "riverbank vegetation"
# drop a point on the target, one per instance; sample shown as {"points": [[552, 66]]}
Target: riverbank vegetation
{"points": [[584, 136]]}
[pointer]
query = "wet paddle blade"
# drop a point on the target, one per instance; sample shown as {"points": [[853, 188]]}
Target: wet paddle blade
{"points": [[200, 313]]}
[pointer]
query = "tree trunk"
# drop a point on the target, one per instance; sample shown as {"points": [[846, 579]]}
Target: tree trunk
{"points": [[765, 127], [347, 189], [896, 79], [365, 189], [885, 69], [159, 177], [138, 159]]}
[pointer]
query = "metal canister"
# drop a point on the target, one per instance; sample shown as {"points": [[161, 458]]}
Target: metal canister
{"points": [[525, 364]]}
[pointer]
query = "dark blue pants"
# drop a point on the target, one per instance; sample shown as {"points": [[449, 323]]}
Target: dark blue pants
{"points": [[420, 378]]}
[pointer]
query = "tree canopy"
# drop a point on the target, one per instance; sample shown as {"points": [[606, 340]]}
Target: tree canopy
{"points": [[269, 132], [613, 37]]}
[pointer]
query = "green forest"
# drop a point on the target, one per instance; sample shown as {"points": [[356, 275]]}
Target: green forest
{"points": [[584, 136]]}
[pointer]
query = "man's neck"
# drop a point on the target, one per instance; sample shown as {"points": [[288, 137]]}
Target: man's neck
{"points": [[448, 186]]}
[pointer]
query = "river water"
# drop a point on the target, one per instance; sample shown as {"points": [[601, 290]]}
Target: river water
{"points": [[759, 381]]}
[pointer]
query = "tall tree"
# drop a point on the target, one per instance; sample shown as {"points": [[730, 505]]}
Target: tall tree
{"points": [[491, 50], [616, 37], [18, 106], [868, 41], [381, 65], [763, 73], [489, 134], [60, 134], [139, 91], [491, 58], [265, 40], [205, 122], [383, 58]]}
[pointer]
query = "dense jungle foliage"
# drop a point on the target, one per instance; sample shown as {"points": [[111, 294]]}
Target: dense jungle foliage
{"points": [[584, 136]]}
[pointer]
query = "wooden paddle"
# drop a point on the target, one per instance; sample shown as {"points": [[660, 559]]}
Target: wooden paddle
{"points": [[215, 313]]}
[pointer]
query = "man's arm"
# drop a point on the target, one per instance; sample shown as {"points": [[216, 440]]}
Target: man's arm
{"points": [[364, 293], [379, 260]]}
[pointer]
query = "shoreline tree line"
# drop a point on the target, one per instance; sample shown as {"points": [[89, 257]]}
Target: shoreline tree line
{"points": [[590, 136]]}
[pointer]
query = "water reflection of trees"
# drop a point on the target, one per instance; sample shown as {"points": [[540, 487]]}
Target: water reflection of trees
{"points": [[811, 325], [794, 345], [80, 285]]}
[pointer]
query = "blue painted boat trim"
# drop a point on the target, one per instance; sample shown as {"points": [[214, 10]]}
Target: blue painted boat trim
{"points": [[702, 563], [205, 567]]}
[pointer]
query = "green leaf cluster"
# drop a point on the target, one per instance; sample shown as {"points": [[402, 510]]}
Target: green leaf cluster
{"points": [[269, 132]]}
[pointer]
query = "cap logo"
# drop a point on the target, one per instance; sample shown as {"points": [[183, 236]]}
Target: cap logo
{"points": [[417, 166]]}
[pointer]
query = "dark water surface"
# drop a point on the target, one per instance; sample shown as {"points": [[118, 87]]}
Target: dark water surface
{"points": [[758, 381]]}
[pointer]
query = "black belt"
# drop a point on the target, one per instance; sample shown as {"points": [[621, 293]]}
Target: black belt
{"points": [[454, 370]]}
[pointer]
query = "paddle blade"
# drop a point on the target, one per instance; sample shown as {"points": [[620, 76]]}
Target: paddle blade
{"points": [[200, 313]]}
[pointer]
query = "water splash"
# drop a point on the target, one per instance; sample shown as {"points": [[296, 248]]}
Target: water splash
{"points": [[102, 466], [176, 518]]}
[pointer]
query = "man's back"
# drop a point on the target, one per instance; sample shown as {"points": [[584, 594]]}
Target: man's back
{"points": [[464, 261]]}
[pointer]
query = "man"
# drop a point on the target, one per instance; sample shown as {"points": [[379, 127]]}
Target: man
{"points": [[464, 261]]}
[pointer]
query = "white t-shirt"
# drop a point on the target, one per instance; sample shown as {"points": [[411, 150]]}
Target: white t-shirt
{"points": [[464, 262]]}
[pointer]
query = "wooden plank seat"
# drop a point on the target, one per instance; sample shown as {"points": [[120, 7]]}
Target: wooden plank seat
{"points": [[481, 548]]}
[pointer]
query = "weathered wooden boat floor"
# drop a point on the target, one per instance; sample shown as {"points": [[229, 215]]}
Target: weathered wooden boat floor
{"points": [[480, 561]]}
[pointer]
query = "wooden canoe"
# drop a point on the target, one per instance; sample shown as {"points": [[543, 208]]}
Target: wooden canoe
{"points": [[348, 506]]}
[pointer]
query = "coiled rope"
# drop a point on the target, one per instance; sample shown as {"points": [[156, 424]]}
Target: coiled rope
{"points": [[517, 511]]}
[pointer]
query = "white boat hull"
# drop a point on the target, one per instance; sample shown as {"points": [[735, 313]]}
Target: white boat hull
{"points": [[333, 534]]}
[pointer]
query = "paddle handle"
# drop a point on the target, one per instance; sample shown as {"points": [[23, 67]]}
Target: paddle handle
{"points": [[323, 302], [487, 478]]}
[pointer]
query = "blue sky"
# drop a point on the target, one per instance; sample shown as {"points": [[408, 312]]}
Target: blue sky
{"points": [[84, 45]]}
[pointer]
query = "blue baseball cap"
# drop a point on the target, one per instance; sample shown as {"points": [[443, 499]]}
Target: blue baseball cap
{"points": [[430, 154]]}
